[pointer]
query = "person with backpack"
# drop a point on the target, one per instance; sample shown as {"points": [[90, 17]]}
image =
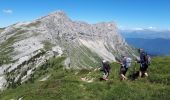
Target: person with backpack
{"points": [[106, 69], [144, 63], [125, 64]]}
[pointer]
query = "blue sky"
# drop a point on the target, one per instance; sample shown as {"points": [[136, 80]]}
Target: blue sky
{"points": [[126, 13]]}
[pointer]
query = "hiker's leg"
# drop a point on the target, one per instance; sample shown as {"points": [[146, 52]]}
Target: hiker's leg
{"points": [[142, 70], [123, 76], [125, 72], [120, 76], [146, 74], [107, 74], [140, 73], [104, 76]]}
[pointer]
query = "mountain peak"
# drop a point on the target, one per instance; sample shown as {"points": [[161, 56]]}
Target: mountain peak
{"points": [[60, 13], [56, 14]]}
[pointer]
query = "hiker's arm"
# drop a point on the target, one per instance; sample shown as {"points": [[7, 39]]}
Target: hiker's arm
{"points": [[137, 60], [118, 62]]}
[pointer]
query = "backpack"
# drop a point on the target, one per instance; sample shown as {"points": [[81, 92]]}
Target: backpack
{"points": [[106, 66], [146, 58], [127, 62]]}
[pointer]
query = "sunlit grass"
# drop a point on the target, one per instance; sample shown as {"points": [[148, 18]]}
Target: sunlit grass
{"points": [[67, 84]]}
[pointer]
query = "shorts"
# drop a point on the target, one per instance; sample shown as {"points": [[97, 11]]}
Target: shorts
{"points": [[123, 70], [143, 67]]}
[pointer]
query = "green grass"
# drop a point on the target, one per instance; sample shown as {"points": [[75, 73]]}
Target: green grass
{"points": [[88, 58], [65, 84], [47, 45]]}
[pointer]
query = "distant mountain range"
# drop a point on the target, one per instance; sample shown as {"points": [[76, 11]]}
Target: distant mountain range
{"points": [[153, 41], [146, 34], [154, 47]]}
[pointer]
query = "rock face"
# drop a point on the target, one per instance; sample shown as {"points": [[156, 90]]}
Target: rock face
{"points": [[26, 46]]}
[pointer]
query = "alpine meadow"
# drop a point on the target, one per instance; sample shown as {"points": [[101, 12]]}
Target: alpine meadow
{"points": [[84, 50]]}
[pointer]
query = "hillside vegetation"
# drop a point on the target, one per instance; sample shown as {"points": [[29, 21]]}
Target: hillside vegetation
{"points": [[67, 84]]}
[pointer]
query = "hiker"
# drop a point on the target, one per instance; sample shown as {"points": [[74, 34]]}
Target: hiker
{"points": [[106, 69], [125, 64], [144, 63]]}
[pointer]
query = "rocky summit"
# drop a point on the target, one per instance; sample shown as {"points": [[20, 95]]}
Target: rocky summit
{"points": [[26, 46]]}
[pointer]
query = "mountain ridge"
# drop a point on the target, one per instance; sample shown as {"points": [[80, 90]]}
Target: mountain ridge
{"points": [[26, 46]]}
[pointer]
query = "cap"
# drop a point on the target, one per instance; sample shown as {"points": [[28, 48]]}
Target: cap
{"points": [[104, 61]]}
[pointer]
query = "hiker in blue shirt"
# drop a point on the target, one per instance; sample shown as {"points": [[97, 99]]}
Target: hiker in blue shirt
{"points": [[125, 64]]}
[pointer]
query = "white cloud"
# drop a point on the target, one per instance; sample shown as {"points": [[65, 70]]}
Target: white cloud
{"points": [[138, 28], [7, 11], [151, 27]]}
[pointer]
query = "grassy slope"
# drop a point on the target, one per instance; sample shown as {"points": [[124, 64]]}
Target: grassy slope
{"points": [[6, 48], [88, 58], [66, 84]]}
